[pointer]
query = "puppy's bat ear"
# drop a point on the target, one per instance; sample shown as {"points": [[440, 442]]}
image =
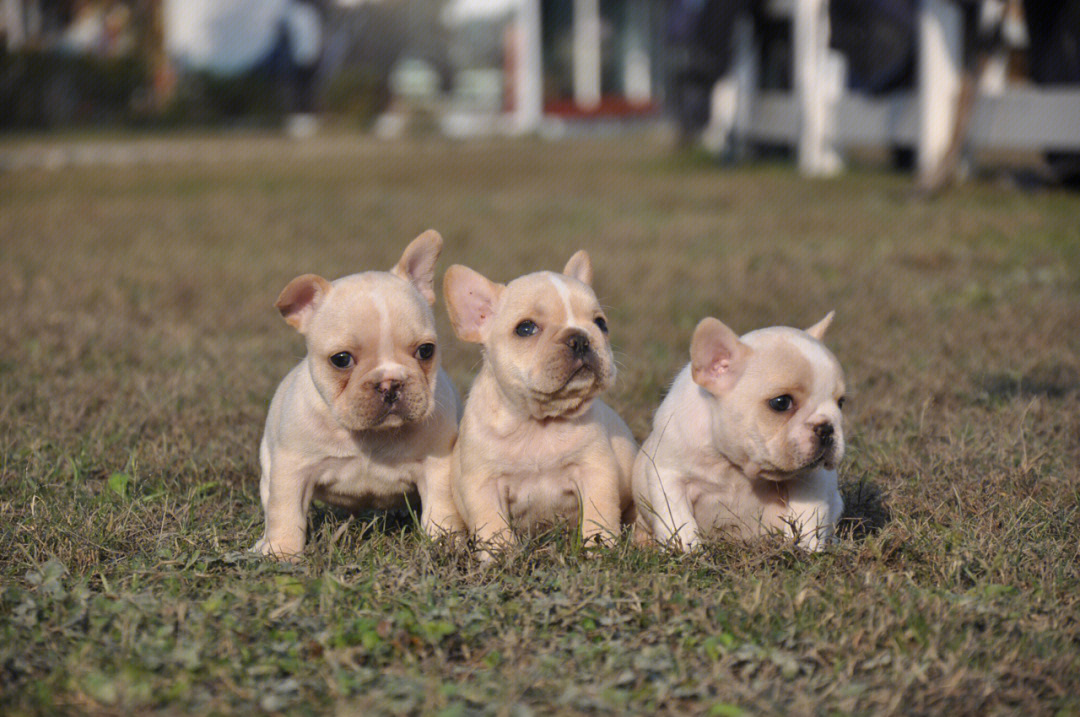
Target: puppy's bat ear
{"points": [[717, 357], [471, 300], [417, 264], [818, 329], [579, 267], [299, 299]]}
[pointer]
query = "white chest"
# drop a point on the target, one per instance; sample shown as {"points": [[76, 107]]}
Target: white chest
{"points": [[363, 482], [541, 498], [538, 476]]}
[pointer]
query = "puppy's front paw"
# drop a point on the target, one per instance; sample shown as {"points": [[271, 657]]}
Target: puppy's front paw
{"points": [[599, 539], [815, 540], [685, 541], [279, 551], [489, 551]]}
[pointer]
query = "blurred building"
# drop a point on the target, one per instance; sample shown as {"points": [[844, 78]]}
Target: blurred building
{"points": [[74, 61], [929, 78], [65, 61], [553, 59], [940, 80], [230, 38]]}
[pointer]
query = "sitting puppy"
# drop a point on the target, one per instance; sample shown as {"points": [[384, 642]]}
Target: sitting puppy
{"points": [[535, 445], [747, 440], [368, 418]]}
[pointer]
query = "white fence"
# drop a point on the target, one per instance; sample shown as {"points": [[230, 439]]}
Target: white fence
{"points": [[821, 119]]}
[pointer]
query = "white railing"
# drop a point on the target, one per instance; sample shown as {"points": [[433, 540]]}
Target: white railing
{"points": [[820, 119]]}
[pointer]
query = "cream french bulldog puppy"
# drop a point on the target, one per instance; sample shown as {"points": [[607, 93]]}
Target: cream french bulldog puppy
{"points": [[536, 446], [368, 417], [747, 440]]}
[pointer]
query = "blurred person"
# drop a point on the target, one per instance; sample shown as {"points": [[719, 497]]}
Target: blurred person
{"points": [[281, 39], [878, 39], [305, 30], [86, 34], [118, 31], [700, 37], [1054, 59]]}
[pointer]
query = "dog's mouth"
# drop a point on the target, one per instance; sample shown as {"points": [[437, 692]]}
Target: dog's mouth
{"points": [[585, 370], [825, 457], [583, 378], [385, 417], [580, 381], [379, 414], [586, 365], [782, 471], [392, 411]]}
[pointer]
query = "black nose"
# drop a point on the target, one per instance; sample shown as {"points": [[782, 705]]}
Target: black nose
{"points": [[824, 432], [579, 345], [390, 391]]}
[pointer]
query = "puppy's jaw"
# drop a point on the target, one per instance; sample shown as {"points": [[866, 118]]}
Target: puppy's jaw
{"points": [[569, 381], [781, 458], [369, 411], [827, 453], [816, 450], [573, 398], [796, 449]]}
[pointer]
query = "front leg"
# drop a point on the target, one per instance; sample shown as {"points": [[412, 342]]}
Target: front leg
{"points": [[598, 487], [484, 510], [439, 516], [814, 508], [669, 511], [286, 496]]}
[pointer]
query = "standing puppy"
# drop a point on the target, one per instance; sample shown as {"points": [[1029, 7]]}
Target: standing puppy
{"points": [[747, 440], [368, 418], [535, 445]]}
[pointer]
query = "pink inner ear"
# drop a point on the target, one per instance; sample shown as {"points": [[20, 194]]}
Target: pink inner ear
{"points": [[479, 304], [297, 300], [471, 300], [477, 310]]}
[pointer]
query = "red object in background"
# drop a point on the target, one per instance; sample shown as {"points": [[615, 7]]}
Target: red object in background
{"points": [[512, 41], [610, 106]]}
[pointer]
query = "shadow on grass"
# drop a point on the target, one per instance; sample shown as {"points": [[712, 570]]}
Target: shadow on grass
{"points": [[865, 511], [388, 523], [1050, 381]]}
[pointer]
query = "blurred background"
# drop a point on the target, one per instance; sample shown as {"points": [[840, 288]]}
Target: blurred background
{"points": [[933, 85]]}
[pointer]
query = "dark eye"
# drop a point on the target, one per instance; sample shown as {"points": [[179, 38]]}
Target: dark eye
{"points": [[601, 323], [425, 351], [342, 360], [840, 402], [526, 328], [781, 403]]}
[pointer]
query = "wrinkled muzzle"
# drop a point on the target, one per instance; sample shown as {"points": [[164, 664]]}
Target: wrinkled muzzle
{"points": [[384, 399], [572, 374], [824, 445]]}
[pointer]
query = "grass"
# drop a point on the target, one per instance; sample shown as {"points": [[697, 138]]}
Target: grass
{"points": [[139, 348]]}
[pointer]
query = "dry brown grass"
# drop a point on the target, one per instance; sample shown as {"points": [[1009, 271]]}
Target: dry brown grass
{"points": [[137, 337]]}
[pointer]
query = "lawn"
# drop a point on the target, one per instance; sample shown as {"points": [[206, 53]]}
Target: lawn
{"points": [[139, 347]]}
